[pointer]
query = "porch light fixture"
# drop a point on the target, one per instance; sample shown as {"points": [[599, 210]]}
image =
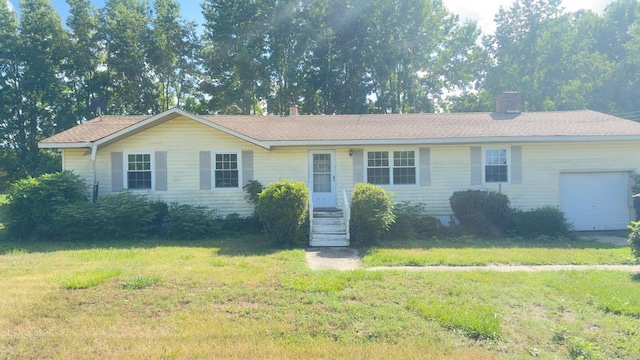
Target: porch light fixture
{"points": [[350, 152]]}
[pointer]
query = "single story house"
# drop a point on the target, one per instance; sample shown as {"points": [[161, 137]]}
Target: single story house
{"points": [[581, 161]]}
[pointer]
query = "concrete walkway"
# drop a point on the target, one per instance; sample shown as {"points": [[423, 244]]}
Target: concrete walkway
{"points": [[513, 268], [333, 258], [343, 258]]}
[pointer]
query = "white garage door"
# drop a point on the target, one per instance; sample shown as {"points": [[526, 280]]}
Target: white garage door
{"points": [[596, 201]]}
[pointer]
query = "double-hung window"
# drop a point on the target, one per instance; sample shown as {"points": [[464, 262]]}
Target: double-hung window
{"points": [[139, 171], [391, 167], [495, 166], [404, 167], [226, 171], [378, 168]]}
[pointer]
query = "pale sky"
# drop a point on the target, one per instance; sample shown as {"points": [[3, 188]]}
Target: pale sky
{"points": [[483, 11]]}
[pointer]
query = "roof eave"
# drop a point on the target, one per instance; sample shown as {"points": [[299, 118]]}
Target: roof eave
{"points": [[139, 126], [65, 145], [461, 140]]}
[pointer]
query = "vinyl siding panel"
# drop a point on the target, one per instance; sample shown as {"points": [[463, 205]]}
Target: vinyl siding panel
{"points": [[183, 140], [79, 161], [449, 167]]}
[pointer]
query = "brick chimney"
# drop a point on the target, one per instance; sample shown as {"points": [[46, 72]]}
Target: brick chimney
{"points": [[293, 110], [509, 102]]}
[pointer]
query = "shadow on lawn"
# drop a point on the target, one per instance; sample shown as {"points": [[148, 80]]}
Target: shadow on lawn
{"points": [[245, 245]]}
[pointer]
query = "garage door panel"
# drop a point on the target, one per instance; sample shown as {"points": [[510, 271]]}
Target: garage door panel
{"points": [[595, 201]]}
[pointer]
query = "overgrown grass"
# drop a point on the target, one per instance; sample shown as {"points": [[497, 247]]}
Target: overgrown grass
{"points": [[470, 251], [140, 282], [87, 279], [477, 321], [241, 299]]}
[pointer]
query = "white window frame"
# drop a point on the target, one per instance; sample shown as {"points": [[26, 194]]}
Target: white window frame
{"points": [[416, 165], [484, 163], [213, 168], [125, 172]]}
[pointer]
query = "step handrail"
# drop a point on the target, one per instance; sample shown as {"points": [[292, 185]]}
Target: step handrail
{"points": [[310, 220], [346, 212]]}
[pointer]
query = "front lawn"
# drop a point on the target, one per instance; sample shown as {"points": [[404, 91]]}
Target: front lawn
{"points": [[469, 251], [242, 299]]}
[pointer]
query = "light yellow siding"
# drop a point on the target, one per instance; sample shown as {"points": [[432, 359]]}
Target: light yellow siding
{"points": [[449, 165], [542, 165]]}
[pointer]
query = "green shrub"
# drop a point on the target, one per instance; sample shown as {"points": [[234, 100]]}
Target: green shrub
{"points": [[252, 188], [482, 213], [160, 210], [123, 215], [413, 222], [634, 238], [78, 222], [542, 221], [283, 209], [371, 214], [33, 201], [191, 222], [234, 224], [126, 215]]}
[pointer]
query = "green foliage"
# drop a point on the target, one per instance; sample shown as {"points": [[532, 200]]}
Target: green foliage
{"points": [[283, 209], [581, 349], [236, 224], [542, 221], [252, 188], [127, 215], [32, 202], [191, 222], [123, 215], [371, 214], [80, 221], [161, 210], [483, 213], [634, 238], [413, 222]]}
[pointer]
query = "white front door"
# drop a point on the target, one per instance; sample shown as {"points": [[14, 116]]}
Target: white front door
{"points": [[322, 178]]}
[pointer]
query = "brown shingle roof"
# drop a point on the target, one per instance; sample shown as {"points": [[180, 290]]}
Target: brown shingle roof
{"points": [[95, 129], [381, 127]]}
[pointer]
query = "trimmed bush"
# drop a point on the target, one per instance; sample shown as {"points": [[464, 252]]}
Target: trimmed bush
{"points": [[235, 224], [482, 213], [79, 222], [32, 202], [371, 214], [634, 238], [252, 190], [127, 215], [542, 221], [283, 209], [413, 222], [123, 215], [191, 222]]}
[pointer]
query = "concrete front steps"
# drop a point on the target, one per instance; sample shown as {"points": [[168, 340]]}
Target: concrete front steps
{"points": [[328, 228]]}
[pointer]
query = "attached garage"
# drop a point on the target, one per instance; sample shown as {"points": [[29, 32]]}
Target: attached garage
{"points": [[596, 200]]}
